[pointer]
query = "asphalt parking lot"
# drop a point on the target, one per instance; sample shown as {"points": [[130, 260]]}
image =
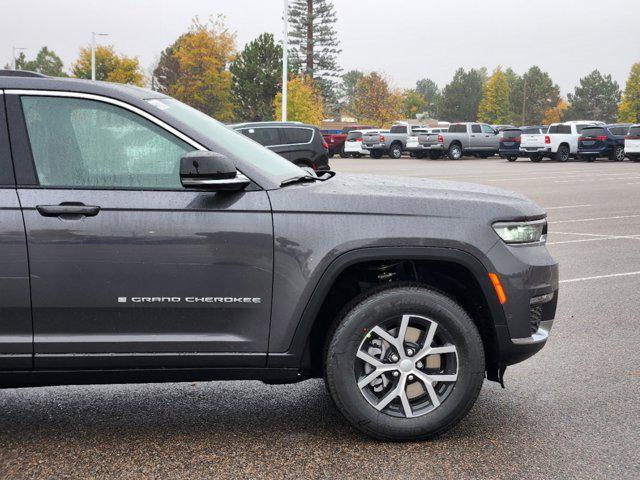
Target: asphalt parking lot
{"points": [[572, 411]]}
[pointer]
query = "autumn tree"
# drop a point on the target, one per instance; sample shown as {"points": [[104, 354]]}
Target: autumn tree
{"points": [[430, 92], [596, 98], [46, 62], [495, 107], [348, 89], [555, 114], [304, 102], [375, 102], [629, 110], [314, 45], [195, 68], [462, 96], [110, 66], [413, 104], [256, 79]]}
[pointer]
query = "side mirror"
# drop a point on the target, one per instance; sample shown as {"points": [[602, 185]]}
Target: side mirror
{"points": [[210, 170]]}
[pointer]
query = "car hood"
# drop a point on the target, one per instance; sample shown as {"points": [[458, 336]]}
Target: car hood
{"points": [[378, 195]]}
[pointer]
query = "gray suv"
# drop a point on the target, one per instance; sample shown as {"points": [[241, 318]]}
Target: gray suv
{"points": [[143, 241]]}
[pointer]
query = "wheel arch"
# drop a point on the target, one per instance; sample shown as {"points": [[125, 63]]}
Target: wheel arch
{"points": [[319, 313]]}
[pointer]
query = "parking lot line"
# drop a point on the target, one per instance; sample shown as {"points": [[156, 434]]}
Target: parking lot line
{"points": [[599, 277], [566, 206], [618, 217]]}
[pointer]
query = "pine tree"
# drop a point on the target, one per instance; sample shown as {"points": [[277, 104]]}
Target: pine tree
{"points": [[315, 46], [256, 79], [596, 98], [430, 92], [495, 107], [461, 97], [629, 110], [540, 93]]}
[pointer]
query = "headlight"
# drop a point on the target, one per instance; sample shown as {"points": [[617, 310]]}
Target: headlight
{"points": [[522, 232]]}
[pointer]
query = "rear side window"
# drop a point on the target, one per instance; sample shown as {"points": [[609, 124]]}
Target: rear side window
{"points": [[475, 128], [593, 132], [296, 135], [531, 131], [354, 135], [458, 128], [511, 133], [635, 131], [87, 143], [619, 130], [264, 136], [398, 129]]}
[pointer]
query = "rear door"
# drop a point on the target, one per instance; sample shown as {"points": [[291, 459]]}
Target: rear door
{"points": [[299, 144], [128, 268], [16, 335]]}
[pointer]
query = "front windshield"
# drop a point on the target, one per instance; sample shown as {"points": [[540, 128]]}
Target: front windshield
{"points": [[236, 144]]}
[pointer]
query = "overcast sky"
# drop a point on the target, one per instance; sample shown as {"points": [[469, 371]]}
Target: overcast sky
{"points": [[406, 39]]}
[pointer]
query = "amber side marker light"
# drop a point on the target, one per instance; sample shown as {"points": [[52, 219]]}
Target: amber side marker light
{"points": [[497, 286]]}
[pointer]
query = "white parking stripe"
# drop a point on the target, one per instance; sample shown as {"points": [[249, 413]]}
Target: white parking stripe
{"points": [[594, 219], [566, 206], [598, 277]]}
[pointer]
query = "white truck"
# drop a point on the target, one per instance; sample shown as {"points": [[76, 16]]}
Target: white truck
{"points": [[632, 143], [560, 142]]}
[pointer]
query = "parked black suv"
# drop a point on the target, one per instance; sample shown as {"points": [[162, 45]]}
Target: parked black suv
{"points": [[299, 143], [143, 241], [603, 141]]}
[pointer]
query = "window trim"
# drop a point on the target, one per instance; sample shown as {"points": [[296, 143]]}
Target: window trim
{"points": [[282, 127], [19, 93]]}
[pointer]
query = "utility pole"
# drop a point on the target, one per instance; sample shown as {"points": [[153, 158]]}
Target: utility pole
{"points": [[285, 63], [524, 99], [93, 52], [15, 59]]}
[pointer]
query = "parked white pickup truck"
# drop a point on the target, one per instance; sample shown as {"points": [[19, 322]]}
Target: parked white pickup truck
{"points": [[559, 143]]}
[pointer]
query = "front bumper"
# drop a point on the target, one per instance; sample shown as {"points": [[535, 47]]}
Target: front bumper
{"points": [[529, 276]]}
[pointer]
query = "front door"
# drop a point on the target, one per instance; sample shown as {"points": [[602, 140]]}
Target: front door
{"points": [[129, 269]]}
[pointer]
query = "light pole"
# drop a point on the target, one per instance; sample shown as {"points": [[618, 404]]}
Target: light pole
{"points": [[15, 59], [93, 52], [285, 66]]}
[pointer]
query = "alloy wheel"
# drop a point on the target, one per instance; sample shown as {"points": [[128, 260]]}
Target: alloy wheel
{"points": [[406, 367]]}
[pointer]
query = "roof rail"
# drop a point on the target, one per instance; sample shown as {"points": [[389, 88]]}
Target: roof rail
{"points": [[21, 73]]}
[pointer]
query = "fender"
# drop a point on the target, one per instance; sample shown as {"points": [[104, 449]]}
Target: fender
{"points": [[293, 357]]}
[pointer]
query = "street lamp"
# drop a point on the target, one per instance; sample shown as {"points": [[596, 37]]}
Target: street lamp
{"points": [[93, 52], [285, 66], [15, 59]]}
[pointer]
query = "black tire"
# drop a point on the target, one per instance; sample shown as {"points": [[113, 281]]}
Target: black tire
{"points": [[435, 155], [330, 154], [356, 155], [342, 153], [395, 151], [420, 155], [357, 322], [512, 158], [563, 153], [375, 154], [634, 158], [535, 157], [618, 154], [455, 151], [589, 158]]}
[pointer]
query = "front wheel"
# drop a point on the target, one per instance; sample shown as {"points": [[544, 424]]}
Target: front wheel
{"points": [[455, 152], [403, 364]]}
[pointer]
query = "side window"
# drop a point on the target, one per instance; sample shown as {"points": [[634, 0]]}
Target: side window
{"points": [[297, 135], [475, 128], [488, 129], [86, 143], [264, 136]]}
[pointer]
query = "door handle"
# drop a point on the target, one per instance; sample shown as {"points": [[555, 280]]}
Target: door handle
{"points": [[68, 210]]}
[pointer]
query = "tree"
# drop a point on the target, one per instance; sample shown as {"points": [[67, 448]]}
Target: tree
{"points": [[256, 79], [304, 103], [375, 102], [461, 97], [494, 106], [629, 110], [430, 92], [555, 114], [515, 96], [315, 45], [596, 98], [46, 62], [413, 104], [195, 69], [110, 66], [540, 94], [348, 89]]}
